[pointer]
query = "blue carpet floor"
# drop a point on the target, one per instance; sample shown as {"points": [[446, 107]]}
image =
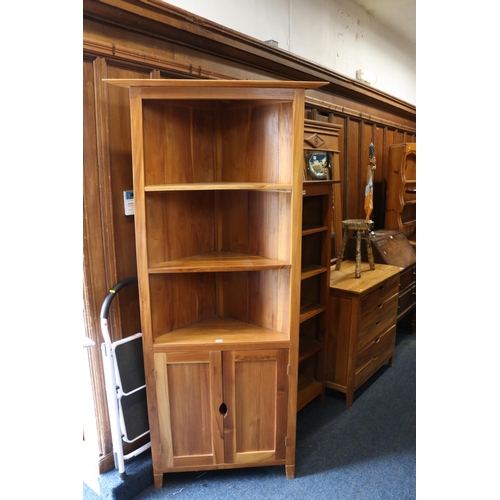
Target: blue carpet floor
{"points": [[365, 452]]}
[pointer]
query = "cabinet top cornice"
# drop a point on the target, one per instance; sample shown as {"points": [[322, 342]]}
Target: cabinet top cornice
{"points": [[161, 82]]}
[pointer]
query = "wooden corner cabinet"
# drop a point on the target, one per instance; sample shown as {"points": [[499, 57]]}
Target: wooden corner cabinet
{"points": [[314, 290], [363, 314], [217, 170], [401, 200]]}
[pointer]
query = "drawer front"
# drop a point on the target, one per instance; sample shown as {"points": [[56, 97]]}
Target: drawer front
{"points": [[380, 294], [407, 278], [383, 323], [373, 363], [407, 300], [375, 346], [372, 316]]}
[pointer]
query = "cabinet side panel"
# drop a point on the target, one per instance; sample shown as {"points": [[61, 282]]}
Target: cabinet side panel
{"points": [[179, 143], [263, 144], [269, 224], [179, 300], [232, 295], [338, 342], [249, 144], [269, 299], [255, 222], [232, 221], [410, 167], [179, 224], [286, 131]]}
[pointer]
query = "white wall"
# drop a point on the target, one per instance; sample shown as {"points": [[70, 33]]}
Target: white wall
{"points": [[337, 34]]}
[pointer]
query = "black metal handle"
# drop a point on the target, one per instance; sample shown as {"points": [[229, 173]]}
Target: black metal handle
{"points": [[112, 294]]}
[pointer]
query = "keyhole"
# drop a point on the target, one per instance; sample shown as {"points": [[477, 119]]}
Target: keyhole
{"points": [[223, 410]]}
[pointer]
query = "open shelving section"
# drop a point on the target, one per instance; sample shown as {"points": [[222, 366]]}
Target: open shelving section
{"points": [[314, 292]]}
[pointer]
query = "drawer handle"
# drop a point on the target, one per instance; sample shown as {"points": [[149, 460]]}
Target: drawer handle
{"points": [[377, 323], [377, 341], [380, 305]]}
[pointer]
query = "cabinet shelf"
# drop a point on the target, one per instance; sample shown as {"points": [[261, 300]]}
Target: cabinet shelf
{"points": [[221, 333], [310, 310], [218, 262], [218, 186], [308, 389], [313, 230], [313, 270], [308, 348]]}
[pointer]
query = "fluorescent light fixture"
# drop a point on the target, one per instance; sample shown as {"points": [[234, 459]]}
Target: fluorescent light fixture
{"points": [[366, 76]]}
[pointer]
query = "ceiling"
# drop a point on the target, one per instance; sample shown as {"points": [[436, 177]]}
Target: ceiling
{"points": [[398, 15]]}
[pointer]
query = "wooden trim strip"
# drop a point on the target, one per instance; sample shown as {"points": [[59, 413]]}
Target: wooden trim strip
{"points": [[347, 112], [115, 53]]}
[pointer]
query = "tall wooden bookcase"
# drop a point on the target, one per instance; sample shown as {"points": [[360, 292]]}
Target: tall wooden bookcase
{"points": [[314, 290], [218, 204]]}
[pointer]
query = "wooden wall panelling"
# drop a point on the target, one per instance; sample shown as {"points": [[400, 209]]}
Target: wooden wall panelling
{"points": [[110, 256], [366, 136], [94, 261], [378, 214], [338, 188], [353, 181]]}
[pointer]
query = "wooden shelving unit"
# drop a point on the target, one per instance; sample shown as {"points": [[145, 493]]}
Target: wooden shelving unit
{"points": [[321, 147], [315, 283], [401, 201], [218, 171]]}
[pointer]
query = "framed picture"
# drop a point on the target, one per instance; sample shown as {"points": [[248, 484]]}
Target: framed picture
{"points": [[318, 166]]}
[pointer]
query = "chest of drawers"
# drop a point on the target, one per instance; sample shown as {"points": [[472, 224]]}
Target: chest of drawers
{"points": [[363, 315]]}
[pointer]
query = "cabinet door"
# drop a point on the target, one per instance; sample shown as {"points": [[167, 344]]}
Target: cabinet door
{"points": [[255, 392], [189, 397]]}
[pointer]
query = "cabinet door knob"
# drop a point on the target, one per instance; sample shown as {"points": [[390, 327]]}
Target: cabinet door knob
{"points": [[223, 410]]}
